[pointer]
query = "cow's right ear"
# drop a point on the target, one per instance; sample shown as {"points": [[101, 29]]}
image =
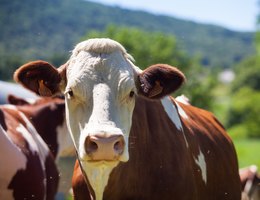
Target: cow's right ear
{"points": [[40, 77]]}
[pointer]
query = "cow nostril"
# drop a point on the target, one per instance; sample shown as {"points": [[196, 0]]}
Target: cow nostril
{"points": [[90, 146], [93, 145], [119, 146]]}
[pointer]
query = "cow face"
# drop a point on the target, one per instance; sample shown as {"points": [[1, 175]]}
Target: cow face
{"points": [[100, 84], [99, 102]]}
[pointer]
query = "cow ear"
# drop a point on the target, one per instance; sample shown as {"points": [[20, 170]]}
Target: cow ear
{"points": [[159, 80], [14, 100], [40, 77]]}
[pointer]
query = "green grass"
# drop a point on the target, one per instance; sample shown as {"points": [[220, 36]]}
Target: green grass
{"points": [[248, 151]]}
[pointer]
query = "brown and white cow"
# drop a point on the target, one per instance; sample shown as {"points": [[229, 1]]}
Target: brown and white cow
{"points": [[28, 169], [48, 117], [133, 140]]}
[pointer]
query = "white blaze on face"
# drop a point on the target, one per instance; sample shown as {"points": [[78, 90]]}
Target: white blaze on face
{"points": [[100, 78]]}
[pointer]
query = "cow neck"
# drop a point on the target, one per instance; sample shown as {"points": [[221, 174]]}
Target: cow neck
{"points": [[151, 129]]}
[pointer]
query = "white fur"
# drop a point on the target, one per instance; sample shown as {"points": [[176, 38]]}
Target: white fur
{"points": [[9, 167], [183, 99], [181, 111], [200, 161], [173, 114], [98, 175], [101, 76]]}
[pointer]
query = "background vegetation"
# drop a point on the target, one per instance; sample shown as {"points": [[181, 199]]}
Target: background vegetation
{"points": [[49, 29]]}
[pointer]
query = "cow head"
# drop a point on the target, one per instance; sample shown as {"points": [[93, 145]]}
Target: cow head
{"points": [[100, 84]]}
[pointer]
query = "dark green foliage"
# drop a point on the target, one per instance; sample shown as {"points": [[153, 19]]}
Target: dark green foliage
{"points": [[244, 112], [248, 74], [243, 115], [146, 48]]}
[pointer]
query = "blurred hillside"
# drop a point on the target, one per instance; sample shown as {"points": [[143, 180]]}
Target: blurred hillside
{"points": [[49, 29]]}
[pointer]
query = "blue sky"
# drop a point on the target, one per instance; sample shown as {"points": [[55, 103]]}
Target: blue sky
{"points": [[237, 15]]}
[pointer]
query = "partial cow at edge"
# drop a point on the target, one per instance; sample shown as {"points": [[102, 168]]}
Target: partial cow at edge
{"points": [[134, 141], [32, 135], [250, 180], [48, 117]]}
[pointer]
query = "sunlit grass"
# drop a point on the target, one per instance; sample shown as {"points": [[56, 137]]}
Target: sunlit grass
{"points": [[248, 152]]}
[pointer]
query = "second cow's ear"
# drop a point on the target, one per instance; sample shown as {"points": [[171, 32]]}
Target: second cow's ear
{"points": [[159, 80], [14, 100], [40, 77]]}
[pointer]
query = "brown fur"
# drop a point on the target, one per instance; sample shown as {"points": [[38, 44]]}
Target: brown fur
{"points": [[159, 80], [162, 167]]}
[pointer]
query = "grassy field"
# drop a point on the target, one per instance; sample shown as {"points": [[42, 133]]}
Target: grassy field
{"points": [[248, 151]]}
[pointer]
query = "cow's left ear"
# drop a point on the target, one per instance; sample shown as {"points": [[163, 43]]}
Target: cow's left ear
{"points": [[159, 80], [14, 100], [40, 77]]}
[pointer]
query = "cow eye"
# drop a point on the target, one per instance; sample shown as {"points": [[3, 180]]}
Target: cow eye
{"points": [[70, 93], [131, 94]]}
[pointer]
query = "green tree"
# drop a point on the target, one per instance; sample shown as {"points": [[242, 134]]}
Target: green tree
{"points": [[8, 64], [147, 48], [247, 74], [244, 112]]}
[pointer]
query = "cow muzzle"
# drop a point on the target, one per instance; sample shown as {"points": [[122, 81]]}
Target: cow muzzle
{"points": [[108, 147]]}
